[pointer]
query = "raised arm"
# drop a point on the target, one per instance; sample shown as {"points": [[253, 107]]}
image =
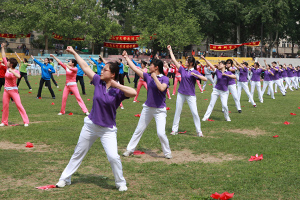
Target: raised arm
{"points": [[84, 66], [3, 54], [208, 63], [239, 65], [203, 78], [132, 65], [230, 76], [94, 60], [128, 91], [103, 59], [18, 57], [35, 60], [59, 62], [173, 57]]}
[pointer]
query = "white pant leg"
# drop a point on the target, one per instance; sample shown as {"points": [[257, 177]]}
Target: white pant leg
{"points": [[278, 83], [224, 100], [232, 89], [209, 78], [214, 96], [269, 88], [160, 116], [179, 103], [275, 86], [270, 84], [258, 87], [192, 102], [146, 117], [245, 87], [239, 89], [294, 82], [288, 83], [252, 88]]}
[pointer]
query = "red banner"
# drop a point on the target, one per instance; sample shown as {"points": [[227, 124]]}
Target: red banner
{"points": [[126, 38], [229, 47], [5, 35], [120, 45], [59, 37]]}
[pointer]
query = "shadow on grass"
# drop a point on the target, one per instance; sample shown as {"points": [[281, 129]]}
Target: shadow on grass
{"points": [[98, 180]]}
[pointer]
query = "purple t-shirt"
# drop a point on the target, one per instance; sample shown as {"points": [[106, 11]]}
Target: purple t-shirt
{"points": [[294, 72], [243, 74], [268, 76], [256, 74], [272, 77], [231, 81], [298, 73], [280, 73], [276, 73], [155, 97], [284, 73], [290, 72], [222, 81], [105, 103], [188, 81]]}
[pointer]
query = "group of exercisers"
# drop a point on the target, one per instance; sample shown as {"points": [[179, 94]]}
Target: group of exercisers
{"points": [[109, 93]]}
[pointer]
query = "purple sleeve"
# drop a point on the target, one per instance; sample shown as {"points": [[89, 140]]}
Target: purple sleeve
{"points": [[96, 79], [252, 69], [198, 73], [180, 69], [121, 96], [146, 76]]}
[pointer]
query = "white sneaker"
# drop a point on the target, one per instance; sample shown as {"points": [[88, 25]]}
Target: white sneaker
{"points": [[134, 101], [59, 114], [127, 153], [228, 119], [26, 125], [170, 98], [202, 92], [168, 156], [173, 94], [87, 113], [200, 134], [62, 183], [204, 119], [174, 133], [30, 89], [2, 124], [57, 86], [122, 107], [123, 188]]}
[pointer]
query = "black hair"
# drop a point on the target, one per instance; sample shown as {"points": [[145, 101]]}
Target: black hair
{"points": [[229, 60], [274, 62], [100, 59], [25, 60], [191, 59], [280, 66], [197, 62], [120, 59], [114, 69], [256, 63], [245, 63], [144, 63], [74, 61], [13, 61], [51, 59], [269, 65], [159, 64], [46, 58], [223, 62]]}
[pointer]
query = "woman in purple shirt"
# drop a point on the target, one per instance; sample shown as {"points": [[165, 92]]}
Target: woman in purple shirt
{"points": [[268, 80], [154, 107], [186, 92], [255, 80], [101, 122], [220, 89]]}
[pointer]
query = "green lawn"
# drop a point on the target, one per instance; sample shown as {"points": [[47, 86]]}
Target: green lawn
{"points": [[220, 158]]}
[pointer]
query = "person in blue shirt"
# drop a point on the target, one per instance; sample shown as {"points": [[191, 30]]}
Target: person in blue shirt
{"points": [[52, 72], [100, 63], [46, 75], [136, 77], [121, 71], [79, 78]]}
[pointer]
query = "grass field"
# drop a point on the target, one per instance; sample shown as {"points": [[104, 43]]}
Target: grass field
{"points": [[217, 162]]}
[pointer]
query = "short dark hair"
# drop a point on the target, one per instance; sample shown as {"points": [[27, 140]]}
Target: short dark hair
{"points": [[13, 61], [74, 61], [144, 62], [25, 60], [159, 64], [114, 69], [51, 59], [245, 63], [229, 60], [191, 59], [274, 62]]}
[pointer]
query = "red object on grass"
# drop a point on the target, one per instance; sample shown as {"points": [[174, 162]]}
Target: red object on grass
{"points": [[1, 110], [88, 99], [29, 145], [211, 120], [137, 152], [29, 92], [275, 136], [205, 99], [167, 108], [137, 115], [182, 132], [52, 103], [256, 157], [223, 196], [229, 93], [59, 90], [209, 84], [35, 83], [70, 113], [40, 97], [46, 187], [229, 111], [293, 113], [286, 123], [298, 107], [243, 106]]}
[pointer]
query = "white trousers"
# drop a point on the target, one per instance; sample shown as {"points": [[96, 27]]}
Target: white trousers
{"points": [[108, 137], [244, 85], [232, 89], [279, 84], [214, 96], [256, 84], [192, 102], [288, 81], [270, 84], [209, 78], [147, 114], [294, 81]]}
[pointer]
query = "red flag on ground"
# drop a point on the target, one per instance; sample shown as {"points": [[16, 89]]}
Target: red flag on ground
{"points": [[223, 196], [29, 145], [46, 187], [256, 157], [137, 152]]}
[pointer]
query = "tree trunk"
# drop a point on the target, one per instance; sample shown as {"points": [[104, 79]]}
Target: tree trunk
{"points": [[93, 48], [238, 39], [46, 42], [292, 47]]}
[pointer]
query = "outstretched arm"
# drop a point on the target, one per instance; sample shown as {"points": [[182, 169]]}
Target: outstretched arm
{"points": [[84, 66], [203, 78], [18, 57], [128, 91], [3, 54], [102, 59], [208, 63], [173, 57], [132, 65], [239, 65]]}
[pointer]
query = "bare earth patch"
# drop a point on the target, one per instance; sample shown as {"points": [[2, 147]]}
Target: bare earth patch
{"points": [[35, 148], [252, 133], [183, 156]]}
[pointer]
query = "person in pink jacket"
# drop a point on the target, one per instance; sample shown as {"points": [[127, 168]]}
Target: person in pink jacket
{"points": [[141, 81], [71, 85], [11, 89]]}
